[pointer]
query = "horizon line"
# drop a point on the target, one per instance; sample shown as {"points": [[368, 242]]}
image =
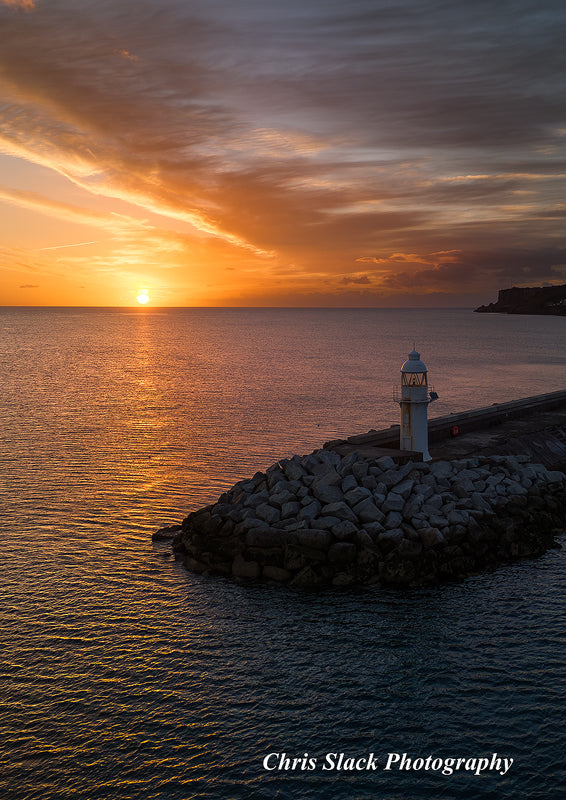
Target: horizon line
{"points": [[144, 308]]}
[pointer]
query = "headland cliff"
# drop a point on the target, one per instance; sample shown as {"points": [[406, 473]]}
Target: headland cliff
{"points": [[529, 300]]}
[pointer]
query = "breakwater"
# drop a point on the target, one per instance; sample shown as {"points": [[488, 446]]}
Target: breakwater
{"points": [[531, 414], [342, 520], [359, 511]]}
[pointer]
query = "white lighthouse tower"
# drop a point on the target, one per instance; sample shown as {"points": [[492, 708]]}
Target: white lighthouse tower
{"points": [[414, 405]]}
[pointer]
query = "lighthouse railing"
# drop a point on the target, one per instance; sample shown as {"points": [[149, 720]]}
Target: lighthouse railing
{"points": [[398, 396]]}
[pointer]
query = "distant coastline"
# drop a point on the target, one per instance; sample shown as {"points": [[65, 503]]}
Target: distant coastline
{"points": [[529, 300]]}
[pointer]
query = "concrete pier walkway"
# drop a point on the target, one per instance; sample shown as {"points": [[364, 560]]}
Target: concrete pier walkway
{"points": [[502, 428]]}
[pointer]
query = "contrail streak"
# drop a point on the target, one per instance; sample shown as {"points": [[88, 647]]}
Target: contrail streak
{"points": [[61, 246]]}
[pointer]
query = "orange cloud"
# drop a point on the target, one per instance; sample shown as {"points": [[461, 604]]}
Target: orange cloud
{"points": [[126, 54], [26, 5]]}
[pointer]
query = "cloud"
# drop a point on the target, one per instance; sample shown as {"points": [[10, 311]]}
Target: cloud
{"points": [[26, 5], [360, 279], [300, 140], [467, 272], [29, 286]]}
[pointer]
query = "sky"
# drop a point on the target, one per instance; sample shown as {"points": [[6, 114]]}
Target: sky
{"points": [[372, 153]]}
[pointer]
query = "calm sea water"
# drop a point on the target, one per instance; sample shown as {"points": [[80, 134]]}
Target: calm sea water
{"points": [[124, 676]]}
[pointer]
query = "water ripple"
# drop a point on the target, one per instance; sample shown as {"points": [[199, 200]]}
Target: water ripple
{"points": [[123, 676]]}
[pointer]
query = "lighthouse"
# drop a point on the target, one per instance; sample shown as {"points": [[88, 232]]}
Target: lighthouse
{"points": [[414, 402]]}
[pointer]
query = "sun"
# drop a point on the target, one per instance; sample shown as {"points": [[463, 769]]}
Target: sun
{"points": [[142, 297]]}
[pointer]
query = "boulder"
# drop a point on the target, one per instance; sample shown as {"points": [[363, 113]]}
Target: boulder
{"points": [[409, 549], [516, 488], [313, 466], [434, 503], [342, 553], [423, 490], [396, 571], [355, 496], [404, 488], [360, 469], [272, 573], [342, 579], [194, 565], [293, 469], [463, 488], [347, 463], [345, 529], [326, 523], [329, 478], [326, 493], [393, 502], [264, 537], [390, 539], [281, 497], [362, 538], [392, 477], [245, 569], [314, 539], [290, 509], [250, 522], [430, 480], [268, 513], [367, 511], [165, 533], [393, 520], [457, 517], [413, 506], [348, 483], [310, 511], [272, 556], [294, 558], [274, 478], [328, 457], [340, 510], [431, 537], [373, 529], [255, 500], [305, 580], [437, 521], [290, 524], [441, 469]]}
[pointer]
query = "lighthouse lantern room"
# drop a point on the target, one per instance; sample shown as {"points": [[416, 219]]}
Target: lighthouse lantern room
{"points": [[414, 402]]}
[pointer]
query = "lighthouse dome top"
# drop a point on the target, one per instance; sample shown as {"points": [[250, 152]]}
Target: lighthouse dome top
{"points": [[414, 363]]}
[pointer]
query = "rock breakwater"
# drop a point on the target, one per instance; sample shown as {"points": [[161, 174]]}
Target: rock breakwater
{"points": [[323, 519]]}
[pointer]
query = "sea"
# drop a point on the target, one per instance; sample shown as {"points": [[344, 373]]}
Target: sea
{"points": [[125, 676]]}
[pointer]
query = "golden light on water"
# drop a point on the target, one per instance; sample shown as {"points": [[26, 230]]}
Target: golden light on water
{"points": [[142, 297]]}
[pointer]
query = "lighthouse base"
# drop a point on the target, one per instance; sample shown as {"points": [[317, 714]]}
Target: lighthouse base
{"points": [[413, 433], [406, 444]]}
